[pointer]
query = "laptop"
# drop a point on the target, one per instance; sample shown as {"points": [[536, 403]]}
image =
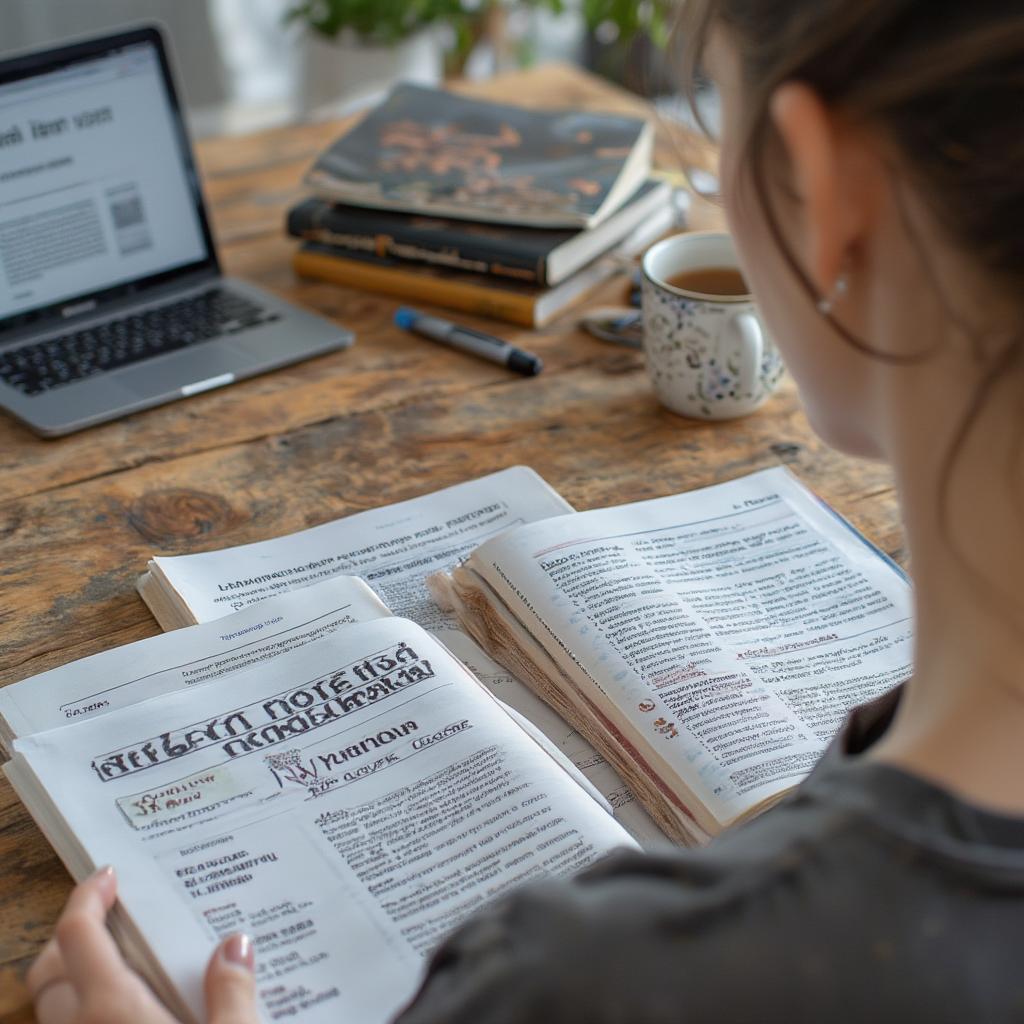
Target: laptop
{"points": [[112, 298]]}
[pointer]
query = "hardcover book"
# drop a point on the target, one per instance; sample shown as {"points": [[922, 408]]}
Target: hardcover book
{"points": [[502, 298], [430, 151], [544, 256]]}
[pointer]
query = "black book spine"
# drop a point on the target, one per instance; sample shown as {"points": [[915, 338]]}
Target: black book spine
{"points": [[353, 231]]}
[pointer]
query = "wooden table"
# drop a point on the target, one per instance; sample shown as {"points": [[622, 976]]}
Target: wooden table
{"points": [[389, 419]]}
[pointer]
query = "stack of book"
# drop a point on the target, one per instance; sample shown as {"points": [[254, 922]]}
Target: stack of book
{"points": [[480, 207]]}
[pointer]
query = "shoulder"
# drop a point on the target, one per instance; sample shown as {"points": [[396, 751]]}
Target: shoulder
{"points": [[848, 902], [640, 938]]}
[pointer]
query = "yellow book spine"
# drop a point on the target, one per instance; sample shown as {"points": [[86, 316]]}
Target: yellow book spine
{"points": [[416, 286]]}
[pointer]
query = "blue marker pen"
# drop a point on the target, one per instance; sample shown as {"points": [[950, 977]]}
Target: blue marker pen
{"points": [[468, 340]]}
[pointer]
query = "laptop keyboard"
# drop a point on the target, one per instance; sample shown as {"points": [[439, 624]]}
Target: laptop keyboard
{"points": [[45, 365]]}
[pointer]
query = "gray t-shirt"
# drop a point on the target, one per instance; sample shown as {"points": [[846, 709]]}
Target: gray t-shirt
{"points": [[868, 895]]}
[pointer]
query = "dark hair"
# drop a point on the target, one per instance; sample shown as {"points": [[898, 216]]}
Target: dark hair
{"points": [[943, 80]]}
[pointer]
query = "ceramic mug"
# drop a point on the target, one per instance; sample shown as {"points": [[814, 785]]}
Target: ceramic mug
{"points": [[708, 356]]}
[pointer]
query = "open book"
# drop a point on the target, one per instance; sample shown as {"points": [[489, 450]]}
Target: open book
{"points": [[394, 548], [707, 644], [345, 800]]}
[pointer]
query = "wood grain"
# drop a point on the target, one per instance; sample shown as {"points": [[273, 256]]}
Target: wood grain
{"points": [[389, 419]]}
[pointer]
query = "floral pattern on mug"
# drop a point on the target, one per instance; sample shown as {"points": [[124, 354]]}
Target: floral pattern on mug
{"points": [[695, 369]]}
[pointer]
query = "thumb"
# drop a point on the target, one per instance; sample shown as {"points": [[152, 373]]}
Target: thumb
{"points": [[230, 985]]}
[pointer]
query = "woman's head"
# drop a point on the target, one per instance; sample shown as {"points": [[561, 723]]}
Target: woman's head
{"points": [[877, 144]]}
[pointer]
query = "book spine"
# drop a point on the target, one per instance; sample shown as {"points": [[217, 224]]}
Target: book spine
{"points": [[411, 286], [321, 224]]}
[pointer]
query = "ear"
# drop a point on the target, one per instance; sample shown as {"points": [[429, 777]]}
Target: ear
{"points": [[828, 160]]}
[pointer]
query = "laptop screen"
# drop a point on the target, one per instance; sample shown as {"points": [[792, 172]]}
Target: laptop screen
{"points": [[96, 185]]}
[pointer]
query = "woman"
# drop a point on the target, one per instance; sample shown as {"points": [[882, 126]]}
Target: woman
{"points": [[872, 157]]}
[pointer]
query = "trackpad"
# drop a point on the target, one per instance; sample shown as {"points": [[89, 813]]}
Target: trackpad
{"points": [[196, 366]]}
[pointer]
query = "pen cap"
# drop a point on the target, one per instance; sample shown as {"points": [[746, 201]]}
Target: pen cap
{"points": [[405, 317], [524, 363]]}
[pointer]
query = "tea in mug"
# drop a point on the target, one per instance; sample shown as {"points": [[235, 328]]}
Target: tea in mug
{"points": [[710, 281]]}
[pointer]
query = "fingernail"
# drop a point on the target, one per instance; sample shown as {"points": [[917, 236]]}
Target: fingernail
{"points": [[237, 950], [105, 878]]}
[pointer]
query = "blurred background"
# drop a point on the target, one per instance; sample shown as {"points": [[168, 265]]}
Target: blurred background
{"points": [[244, 65]]}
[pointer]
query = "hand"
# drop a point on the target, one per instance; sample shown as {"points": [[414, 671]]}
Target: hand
{"points": [[81, 978]]}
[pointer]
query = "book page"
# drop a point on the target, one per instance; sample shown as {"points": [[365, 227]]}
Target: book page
{"points": [[173, 661], [730, 629], [347, 821], [395, 548], [629, 812]]}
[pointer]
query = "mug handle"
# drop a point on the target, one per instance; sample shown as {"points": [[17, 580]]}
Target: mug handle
{"points": [[749, 349]]}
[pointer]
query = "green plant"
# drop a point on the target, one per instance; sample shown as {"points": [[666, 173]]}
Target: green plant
{"points": [[388, 21], [631, 18]]}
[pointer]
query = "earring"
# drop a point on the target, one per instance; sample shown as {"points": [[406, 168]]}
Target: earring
{"points": [[827, 302]]}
